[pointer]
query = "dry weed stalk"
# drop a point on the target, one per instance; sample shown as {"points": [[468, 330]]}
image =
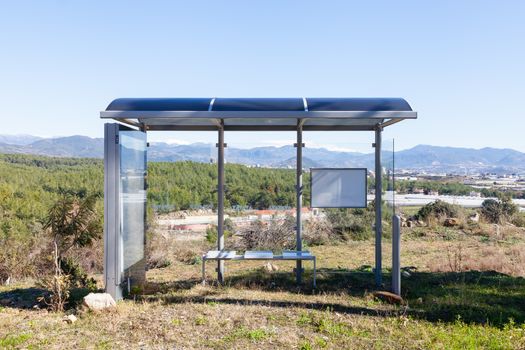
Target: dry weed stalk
{"points": [[455, 258], [58, 284]]}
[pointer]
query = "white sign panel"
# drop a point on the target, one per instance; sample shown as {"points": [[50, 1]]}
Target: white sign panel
{"points": [[338, 188]]}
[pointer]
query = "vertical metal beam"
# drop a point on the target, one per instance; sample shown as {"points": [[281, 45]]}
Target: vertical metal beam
{"points": [[220, 202], [396, 255], [299, 202], [378, 206], [112, 211]]}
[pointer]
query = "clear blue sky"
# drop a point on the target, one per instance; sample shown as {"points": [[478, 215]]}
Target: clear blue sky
{"points": [[460, 64]]}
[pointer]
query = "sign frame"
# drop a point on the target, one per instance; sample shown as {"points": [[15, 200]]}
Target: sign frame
{"points": [[365, 170]]}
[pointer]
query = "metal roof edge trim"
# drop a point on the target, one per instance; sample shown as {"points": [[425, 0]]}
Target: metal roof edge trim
{"points": [[259, 114]]}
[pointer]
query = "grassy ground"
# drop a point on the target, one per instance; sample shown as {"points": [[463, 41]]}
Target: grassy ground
{"points": [[464, 291]]}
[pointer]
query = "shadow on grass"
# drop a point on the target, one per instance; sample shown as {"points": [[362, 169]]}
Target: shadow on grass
{"points": [[30, 298], [22, 298], [473, 296]]}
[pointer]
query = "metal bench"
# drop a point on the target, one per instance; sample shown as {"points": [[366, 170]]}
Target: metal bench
{"points": [[256, 255]]}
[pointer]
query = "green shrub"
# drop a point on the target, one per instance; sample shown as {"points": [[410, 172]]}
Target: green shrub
{"points": [[519, 220], [351, 224], [438, 209], [195, 260], [77, 276], [497, 211], [212, 234]]}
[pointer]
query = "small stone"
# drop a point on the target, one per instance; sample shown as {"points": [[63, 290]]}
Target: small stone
{"points": [[269, 267], [390, 298], [70, 319], [405, 273], [474, 217], [451, 222], [99, 301]]}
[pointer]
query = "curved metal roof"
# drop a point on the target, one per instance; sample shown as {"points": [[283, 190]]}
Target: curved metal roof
{"points": [[259, 113]]}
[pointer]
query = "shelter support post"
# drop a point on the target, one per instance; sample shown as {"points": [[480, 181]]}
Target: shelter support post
{"points": [[378, 206], [299, 202], [220, 202], [111, 211], [396, 256]]}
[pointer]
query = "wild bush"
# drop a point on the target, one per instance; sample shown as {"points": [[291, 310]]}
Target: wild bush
{"points": [[519, 219], [163, 250], [212, 234], [438, 210], [158, 250], [72, 222], [275, 235], [318, 231], [90, 259], [76, 274], [498, 211], [351, 224]]}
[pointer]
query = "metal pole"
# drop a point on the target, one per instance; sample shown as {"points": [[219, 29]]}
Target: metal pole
{"points": [[220, 202], [299, 202], [112, 213], [393, 177], [378, 207], [396, 256]]}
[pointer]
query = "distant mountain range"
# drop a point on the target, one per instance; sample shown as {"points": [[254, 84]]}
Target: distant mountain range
{"points": [[422, 157], [18, 139]]}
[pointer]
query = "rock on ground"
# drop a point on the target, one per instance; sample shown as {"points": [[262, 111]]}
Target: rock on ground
{"points": [[451, 222], [99, 301], [388, 297], [70, 319], [269, 267], [474, 217]]}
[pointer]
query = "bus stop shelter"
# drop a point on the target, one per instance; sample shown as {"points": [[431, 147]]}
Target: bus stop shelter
{"points": [[125, 161]]}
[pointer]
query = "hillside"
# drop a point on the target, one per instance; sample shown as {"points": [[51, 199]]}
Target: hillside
{"points": [[421, 157], [30, 184]]}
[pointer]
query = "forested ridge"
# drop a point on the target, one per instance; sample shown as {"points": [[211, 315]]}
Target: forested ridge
{"points": [[29, 185]]}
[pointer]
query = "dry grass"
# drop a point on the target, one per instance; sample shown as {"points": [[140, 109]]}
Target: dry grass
{"points": [[265, 310], [460, 257]]}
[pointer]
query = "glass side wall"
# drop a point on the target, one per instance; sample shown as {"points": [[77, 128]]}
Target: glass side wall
{"points": [[132, 204]]}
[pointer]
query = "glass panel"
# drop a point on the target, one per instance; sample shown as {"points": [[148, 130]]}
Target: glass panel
{"points": [[132, 199]]}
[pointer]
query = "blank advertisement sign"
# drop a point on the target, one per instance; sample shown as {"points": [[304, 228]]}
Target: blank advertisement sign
{"points": [[338, 187]]}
